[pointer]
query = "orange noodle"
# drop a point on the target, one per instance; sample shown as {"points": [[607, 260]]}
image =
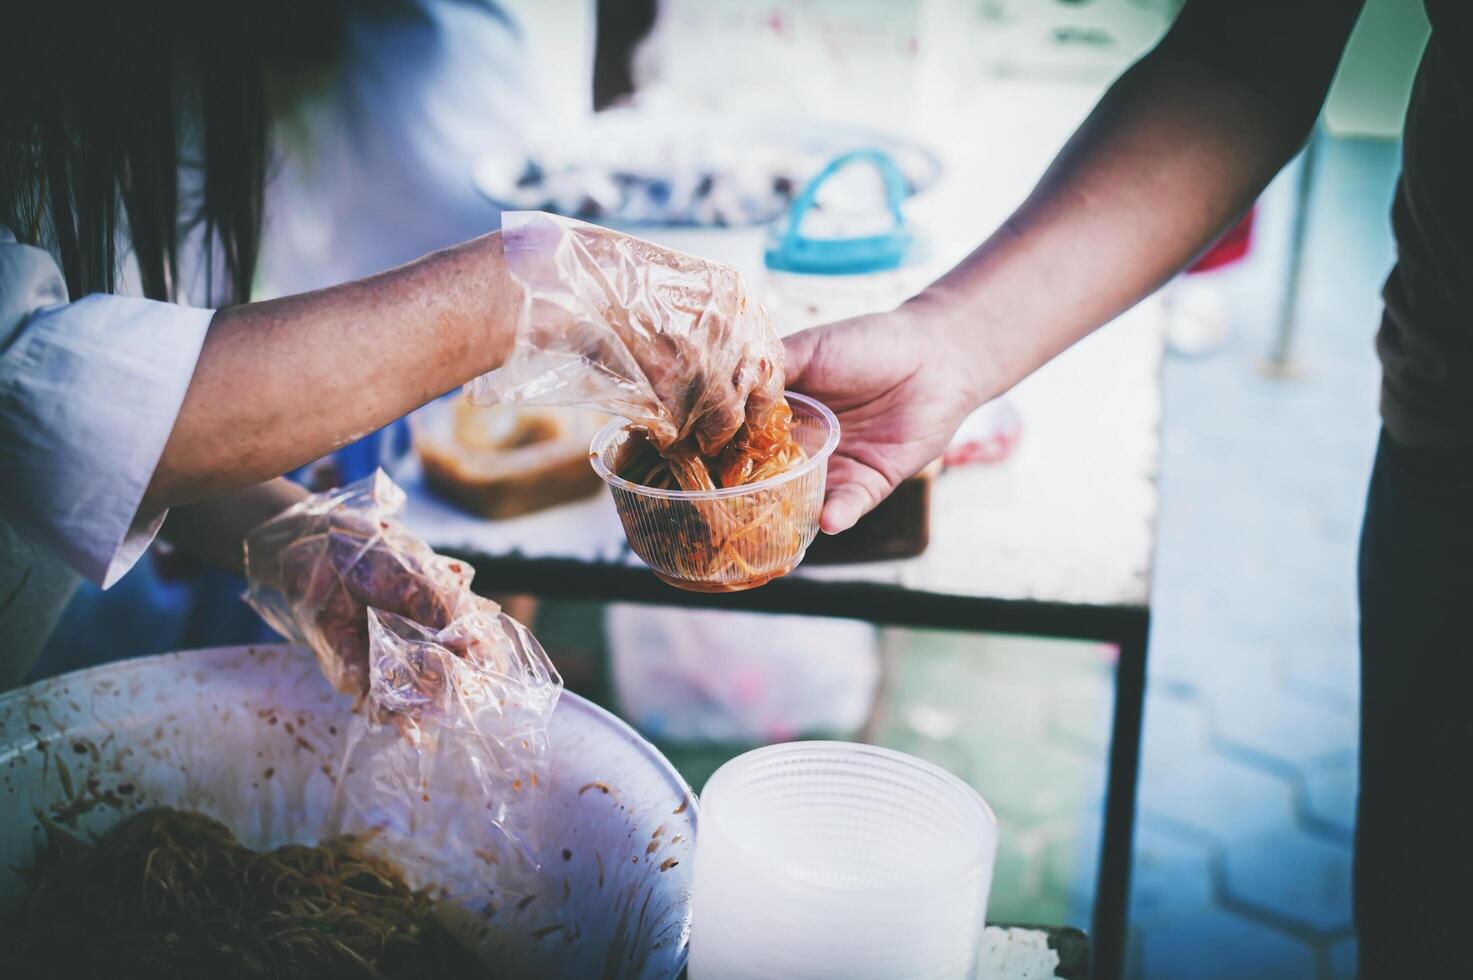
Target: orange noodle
{"points": [[725, 545], [172, 894]]}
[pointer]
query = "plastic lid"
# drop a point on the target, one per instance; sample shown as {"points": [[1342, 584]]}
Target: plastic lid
{"points": [[792, 251]]}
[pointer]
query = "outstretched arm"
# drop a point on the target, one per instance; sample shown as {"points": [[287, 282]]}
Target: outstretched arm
{"points": [[1179, 147], [283, 382]]}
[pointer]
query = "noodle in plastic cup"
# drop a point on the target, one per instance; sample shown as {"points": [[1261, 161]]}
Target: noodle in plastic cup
{"points": [[837, 859], [730, 538]]}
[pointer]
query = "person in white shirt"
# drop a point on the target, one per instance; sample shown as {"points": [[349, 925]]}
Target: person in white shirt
{"points": [[370, 168], [138, 132]]}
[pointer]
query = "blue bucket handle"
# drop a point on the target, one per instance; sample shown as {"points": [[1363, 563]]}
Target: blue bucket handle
{"points": [[895, 191]]}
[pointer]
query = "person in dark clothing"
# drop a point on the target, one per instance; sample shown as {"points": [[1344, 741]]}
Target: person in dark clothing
{"points": [[1176, 151]]}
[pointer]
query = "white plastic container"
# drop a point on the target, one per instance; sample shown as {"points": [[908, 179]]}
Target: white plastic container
{"points": [[731, 538], [835, 859]]}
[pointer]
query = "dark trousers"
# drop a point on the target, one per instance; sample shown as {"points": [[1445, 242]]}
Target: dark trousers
{"points": [[1414, 823]]}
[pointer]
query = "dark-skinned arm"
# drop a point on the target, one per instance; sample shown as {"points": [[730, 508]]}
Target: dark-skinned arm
{"points": [[1174, 153]]}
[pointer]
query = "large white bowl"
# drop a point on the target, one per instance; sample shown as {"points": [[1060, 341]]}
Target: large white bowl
{"points": [[249, 734]]}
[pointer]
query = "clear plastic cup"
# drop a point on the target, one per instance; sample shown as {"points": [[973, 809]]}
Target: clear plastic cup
{"points": [[835, 859], [733, 538]]}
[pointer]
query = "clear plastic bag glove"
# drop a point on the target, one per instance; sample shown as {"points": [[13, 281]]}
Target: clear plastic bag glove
{"points": [[447, 763], [315, 569], [609, 321], [445, 769]]}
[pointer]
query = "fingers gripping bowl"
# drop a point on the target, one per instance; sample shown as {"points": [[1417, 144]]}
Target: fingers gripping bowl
{"points": [[729, 538], [717, 478]]}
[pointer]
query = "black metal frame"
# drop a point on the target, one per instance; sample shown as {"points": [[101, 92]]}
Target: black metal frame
{"points": [[1126, 626], [1280, 355]]}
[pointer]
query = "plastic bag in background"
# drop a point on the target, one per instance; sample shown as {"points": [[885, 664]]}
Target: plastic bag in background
{"points": [[454, 696], [609, 321], [709, 675], [314, 569]]}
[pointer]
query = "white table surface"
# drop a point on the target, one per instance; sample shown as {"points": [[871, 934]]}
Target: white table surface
{"points": [[1067, 518]]}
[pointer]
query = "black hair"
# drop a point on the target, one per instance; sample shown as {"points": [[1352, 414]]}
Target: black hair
{"points": [[105, 105]]}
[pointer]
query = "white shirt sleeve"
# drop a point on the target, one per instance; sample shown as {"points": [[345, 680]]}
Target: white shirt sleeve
{"points": [[89, 392]]}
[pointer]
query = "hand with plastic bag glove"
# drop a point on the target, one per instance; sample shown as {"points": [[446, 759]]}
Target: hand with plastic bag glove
{"points": [[445, 766], [449, 756], [316, 569], [608, 321], [422, 679]]}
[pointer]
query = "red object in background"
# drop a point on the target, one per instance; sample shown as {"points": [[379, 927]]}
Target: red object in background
{"points": [[1231, 247], [988, 435]]}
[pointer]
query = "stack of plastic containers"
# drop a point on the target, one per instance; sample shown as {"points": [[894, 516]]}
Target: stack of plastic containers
{"points": [[832, 859]]}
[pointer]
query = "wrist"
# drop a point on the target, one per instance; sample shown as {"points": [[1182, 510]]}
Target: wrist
{"points": [[952, 325], [480, 302]]}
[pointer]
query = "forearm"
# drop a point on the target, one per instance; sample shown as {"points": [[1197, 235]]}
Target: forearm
{"points": [[214, 530], [283, 382], [1173, 154]]}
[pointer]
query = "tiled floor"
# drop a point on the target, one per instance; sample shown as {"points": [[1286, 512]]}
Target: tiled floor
{"points": [[1251, 717]]}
